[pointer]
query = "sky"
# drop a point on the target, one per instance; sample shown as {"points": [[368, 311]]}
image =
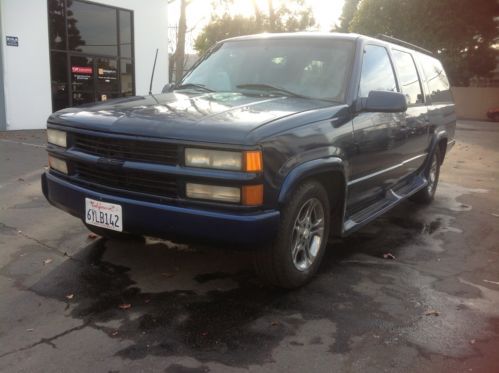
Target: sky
{"points": [[326, 13]]}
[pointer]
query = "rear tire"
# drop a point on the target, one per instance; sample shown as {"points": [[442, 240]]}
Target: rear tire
{"points": [[293, 258], [432, 174], [113, 235]]}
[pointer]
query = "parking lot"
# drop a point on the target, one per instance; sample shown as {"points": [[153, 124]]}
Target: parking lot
{"points": [[73, 302]]}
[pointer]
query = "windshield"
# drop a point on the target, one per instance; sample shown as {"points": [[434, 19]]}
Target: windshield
{"points": [[299, 67]]}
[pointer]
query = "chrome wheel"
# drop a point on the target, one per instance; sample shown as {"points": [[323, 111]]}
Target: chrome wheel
{"points": [[308, 234], [433, 174]]}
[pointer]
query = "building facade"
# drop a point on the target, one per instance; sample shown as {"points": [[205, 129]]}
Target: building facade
{"points": [[61, 53]]}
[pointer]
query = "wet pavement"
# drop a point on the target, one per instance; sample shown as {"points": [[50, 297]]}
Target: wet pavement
{"points": [[72, 303]]}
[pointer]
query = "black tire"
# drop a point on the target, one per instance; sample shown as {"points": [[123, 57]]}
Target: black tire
{"points": [[274, 263], [432, 174], [114, 235], [495, 117]]}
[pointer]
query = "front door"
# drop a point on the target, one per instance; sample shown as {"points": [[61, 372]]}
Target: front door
{"points": [[379, 137], [93, 79]]}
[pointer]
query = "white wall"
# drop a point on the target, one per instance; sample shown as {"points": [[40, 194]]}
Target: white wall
{"points": [[27, 89], [474, 102], [26, 68]]}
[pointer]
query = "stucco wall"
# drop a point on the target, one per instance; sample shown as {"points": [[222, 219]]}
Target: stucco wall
{"points": [[26, 68], [473, 102]]}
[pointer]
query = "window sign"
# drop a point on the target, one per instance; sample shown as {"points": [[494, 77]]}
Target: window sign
{"points": [[12, 41]]}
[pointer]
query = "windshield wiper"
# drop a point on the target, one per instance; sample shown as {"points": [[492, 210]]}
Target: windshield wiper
{"points": [[201, 87], [267, 87]]}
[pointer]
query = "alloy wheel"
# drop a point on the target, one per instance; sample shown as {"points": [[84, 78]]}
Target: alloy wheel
{"points": [[308, 234]]}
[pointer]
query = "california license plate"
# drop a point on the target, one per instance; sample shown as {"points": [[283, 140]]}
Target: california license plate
{"points": [[103, 214]]}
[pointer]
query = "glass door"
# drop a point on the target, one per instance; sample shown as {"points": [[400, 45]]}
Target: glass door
{"points": [[82, 71], [107, 86]]}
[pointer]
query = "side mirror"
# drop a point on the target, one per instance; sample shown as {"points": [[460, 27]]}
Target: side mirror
{"points": [[168, 88], [385, 102]]}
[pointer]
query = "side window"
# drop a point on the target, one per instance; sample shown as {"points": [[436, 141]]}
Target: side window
{"points": [[408, 76], [438, 84], [377, 72]]}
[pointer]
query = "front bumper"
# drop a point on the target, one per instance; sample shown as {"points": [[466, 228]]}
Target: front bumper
{"points": [[166, 221]]}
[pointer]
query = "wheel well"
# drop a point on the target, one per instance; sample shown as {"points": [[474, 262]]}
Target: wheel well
{"points": [[442, 146], [334, 183]]}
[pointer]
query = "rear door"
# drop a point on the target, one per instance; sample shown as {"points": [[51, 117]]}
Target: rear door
{"points": [[441, 108], [378, 137], [415, 127]]}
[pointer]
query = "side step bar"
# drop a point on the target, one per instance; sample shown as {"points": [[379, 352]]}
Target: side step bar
{"points": [[392, 198]]}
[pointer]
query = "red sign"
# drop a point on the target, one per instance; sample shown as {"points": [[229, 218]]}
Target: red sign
{"points": [[81, 70]]}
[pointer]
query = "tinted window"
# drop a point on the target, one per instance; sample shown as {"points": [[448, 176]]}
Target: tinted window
{"points": [[92, 28], [126, 71], [312, 68], [438, 84], [408, 77], [59, 74], [107, 77], [57, 24], [377, 72], [125, 34]]}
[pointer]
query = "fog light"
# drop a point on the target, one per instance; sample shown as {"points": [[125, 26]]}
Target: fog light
{"points": [[213, 192], [58, 164], [252, 195], [57, 137]]}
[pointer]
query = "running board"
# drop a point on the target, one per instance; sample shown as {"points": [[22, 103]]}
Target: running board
{"points": [[392, 198]]}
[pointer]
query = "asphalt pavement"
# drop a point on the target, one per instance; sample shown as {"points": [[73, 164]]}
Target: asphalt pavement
{"points": [[415, 291]]}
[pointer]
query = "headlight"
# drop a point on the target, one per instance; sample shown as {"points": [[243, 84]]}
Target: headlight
{"points": [[250, 161], [213, 192], [57, 137], [205, 158], [58, 164]]}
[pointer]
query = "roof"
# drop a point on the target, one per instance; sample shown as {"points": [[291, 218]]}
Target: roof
{"points": [[332, 36], [297, 35]]}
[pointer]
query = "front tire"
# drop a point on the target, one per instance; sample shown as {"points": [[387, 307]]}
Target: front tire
{"points": [[432, 173], [293, 258]]}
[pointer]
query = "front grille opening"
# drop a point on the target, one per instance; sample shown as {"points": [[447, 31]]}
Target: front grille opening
{"points": [[127, 150], [132, 181]]}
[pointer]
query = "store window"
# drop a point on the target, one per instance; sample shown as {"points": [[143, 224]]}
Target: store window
{"points": [[91, 52]]}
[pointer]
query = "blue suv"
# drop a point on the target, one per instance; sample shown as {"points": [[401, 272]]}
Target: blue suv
{"points": [[277, 142]]}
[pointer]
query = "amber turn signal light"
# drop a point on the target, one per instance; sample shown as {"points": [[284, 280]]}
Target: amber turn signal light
{"points": [[253, 161], [252, 195]]}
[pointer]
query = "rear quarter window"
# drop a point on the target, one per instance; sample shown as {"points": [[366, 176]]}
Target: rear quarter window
{"points": [[438, 84]]}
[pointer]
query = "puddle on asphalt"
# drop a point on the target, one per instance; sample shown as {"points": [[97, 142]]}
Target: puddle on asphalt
{"points": [[206, 303]]}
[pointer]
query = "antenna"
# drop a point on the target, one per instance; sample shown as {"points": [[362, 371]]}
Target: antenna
{"points": [[152, 75]]}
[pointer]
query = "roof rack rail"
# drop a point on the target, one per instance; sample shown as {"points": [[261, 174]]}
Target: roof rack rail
{"points": [[393, 40]]}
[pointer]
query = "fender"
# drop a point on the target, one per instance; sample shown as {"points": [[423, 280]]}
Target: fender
{"points": [[308, 169], [440, 135]]}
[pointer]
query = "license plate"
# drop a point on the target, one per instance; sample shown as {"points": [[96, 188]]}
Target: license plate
{"points": [[103, 214]]}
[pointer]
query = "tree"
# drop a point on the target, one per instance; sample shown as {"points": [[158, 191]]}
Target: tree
{"points": [[347, 14], [460, 37], [290, 16], [180, 51], [177, 59]]}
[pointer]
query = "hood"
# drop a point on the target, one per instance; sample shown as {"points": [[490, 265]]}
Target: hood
{"points": [[210, 117]]}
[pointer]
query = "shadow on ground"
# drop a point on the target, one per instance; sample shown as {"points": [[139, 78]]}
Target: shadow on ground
{"points": [[207, 304]]}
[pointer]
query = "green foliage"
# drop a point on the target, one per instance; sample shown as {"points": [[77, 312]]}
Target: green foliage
{"points": [[289, 17], [347, 14], [459, 32]]}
